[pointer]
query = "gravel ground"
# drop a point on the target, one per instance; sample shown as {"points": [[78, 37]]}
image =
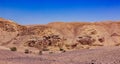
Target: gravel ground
{"points": [[102, 55]]}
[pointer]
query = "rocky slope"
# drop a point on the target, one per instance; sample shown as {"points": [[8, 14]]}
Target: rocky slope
{"points": [[59, 36]]}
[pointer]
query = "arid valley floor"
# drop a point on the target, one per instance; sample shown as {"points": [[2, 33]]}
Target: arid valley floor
{"points": [[60, 43]]}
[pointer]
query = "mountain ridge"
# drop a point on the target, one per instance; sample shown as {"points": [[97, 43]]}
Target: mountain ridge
{"points": [[59, 35]]}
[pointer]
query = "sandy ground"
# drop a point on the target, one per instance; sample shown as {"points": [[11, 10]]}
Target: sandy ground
{"points": [[102, 55]]}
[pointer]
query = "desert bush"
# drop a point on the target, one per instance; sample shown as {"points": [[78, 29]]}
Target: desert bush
{"points": [[27, 51], [31, 43], [74, 45], [13, 49], [40, 53], [45, 49], [101, 39], [62, 50]]}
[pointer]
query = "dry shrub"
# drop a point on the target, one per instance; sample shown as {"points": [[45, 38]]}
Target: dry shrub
{"points": [[13, 49], [27, 51], [101, 39], [40, 53]]}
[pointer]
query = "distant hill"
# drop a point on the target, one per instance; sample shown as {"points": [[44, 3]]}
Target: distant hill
{"points": [[59, 36]]}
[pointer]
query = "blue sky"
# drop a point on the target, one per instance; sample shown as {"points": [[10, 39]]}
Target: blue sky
{"points": [[45, 11]]}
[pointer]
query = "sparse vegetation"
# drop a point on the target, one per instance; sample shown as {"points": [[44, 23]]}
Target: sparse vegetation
{"points": [[45, 49], [27, 51], [101, 39], [62, 50], [31, 43], [40, 52], [13, 49]]}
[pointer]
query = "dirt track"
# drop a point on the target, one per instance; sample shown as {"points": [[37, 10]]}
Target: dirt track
{"points": [[103, 55]]}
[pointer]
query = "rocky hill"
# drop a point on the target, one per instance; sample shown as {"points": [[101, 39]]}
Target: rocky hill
{"points": [[59, 36]]}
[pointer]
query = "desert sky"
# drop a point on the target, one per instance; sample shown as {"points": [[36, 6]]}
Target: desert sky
{"points": [[45, 11]]}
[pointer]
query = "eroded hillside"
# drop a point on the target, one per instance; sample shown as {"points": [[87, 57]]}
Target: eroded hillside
{"points": [[59, 36]]}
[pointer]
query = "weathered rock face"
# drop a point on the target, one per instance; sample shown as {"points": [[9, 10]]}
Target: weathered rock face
{"points": [[60, 35], [8, 30]]}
